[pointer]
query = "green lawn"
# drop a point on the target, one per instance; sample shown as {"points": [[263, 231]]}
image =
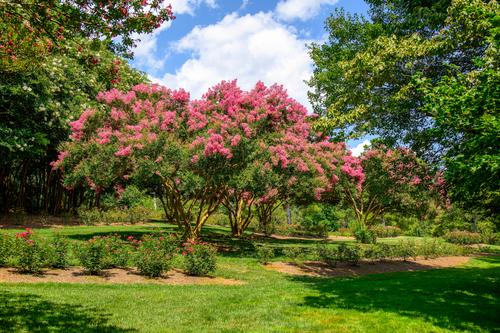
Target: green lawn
{"points": [[462, 299]]}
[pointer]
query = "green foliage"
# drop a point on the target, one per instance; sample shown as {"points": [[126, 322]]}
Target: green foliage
{"points": [[382, 231], [319, 219], [362, 233], [154, 255], [6, 247], [327, 254], [295, 253], [31, 254], [200, 258], [462, 237], [92, 255], [349, 254], [58, 248], [406, 249], [264, 253]]}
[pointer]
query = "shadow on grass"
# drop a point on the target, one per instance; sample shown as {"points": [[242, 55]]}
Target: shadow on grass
{"points": [[457, 298], [30, 313]]}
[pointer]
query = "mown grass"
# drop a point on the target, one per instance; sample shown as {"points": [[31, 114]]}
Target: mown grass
{"points": [[462, 299]]}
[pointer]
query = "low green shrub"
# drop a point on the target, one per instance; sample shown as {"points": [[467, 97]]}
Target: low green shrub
{"points": [[327, 254], [6, 246], [92, 255], [406, 249], [30, 252], [293, 252], [90, 216], [264, 253], [363, 234], [382, 231], [58, 249], [200, 258], [152, 259], [462, 237], [487, 231], [349, 254]]}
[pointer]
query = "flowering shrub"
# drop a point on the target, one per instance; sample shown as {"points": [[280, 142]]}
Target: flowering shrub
{"points": [[463, 237], [200, 258], [92, 255], [118, 252], [30, 252], [154, 255], [406, 249], [57, 252]]}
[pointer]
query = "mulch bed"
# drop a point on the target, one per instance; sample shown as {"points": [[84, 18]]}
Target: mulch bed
{"points": [[315, 268], [110, 276]]}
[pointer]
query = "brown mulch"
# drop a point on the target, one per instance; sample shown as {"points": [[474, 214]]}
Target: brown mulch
{"points": [[110, 276], [315, 268]]}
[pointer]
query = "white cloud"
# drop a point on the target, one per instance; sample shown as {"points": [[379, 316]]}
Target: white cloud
{"points": [[360, 148], [145, 50], [248, 48], [289, 10], [189, 6]]}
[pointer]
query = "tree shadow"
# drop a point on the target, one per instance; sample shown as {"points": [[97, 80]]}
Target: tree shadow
{"points": [[456, 298], [31, 313]]}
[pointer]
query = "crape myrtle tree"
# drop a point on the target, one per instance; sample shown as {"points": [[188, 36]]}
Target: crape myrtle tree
{"points": [[199, 154], [32, 29], [386, 180]]}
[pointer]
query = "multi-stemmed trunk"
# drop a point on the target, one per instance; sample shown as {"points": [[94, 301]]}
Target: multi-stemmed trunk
{"points": [[264, 211], [239, 206], [190, 214]]}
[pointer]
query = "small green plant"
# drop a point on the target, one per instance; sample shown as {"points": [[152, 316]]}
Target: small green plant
{"points": [[90, 216], [349, 254], [382, 231], [264, 253], [293, 252], [58, 252], [92, 255], [462, 237], [117, 251], [6, 245], [406, 249], [326, 254], [200, 258], [363, 234]]}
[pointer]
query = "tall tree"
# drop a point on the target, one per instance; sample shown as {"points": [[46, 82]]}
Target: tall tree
{"points": [[383, 76]]}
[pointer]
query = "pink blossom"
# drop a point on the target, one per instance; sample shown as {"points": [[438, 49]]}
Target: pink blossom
{"points": [[124, 151]]}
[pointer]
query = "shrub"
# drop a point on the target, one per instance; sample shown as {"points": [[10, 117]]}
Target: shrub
{"points": [[319, 219], [264, 253], [200, 258], [363, 234], [6, 244], [152, 259], [90, 216], [487, 231], [462, 237], [92, 255], [406, 249], [349, 254], [326, 254], [382, 231], [117, 251], [58, 252], [30, 252], [293, 252], [344, 232]]}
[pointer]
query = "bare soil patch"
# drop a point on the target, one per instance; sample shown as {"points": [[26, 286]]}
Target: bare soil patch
{"points": [[110, 276], [315, 268]]}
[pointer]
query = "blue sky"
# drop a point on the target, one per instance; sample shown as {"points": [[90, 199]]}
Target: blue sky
{"points": [[247, 40]]}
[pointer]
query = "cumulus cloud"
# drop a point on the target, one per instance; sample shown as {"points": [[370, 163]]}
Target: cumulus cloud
{"points": [[289, 10], [145, 50], [360, 148], [248, 48], [189, 6]]}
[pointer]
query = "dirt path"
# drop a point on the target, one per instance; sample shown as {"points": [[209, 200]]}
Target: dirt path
{"points": [[314, 268], [110, 276]]}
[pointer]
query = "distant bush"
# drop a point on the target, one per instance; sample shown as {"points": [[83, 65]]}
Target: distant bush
{"points": [[363, 234], [349, 254], [327, 254], [200, 258], [319, 219], [487, 231], [264, 253], [382, 231], [293, 252], [462, 237], [406, 249], [344, 232]]}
